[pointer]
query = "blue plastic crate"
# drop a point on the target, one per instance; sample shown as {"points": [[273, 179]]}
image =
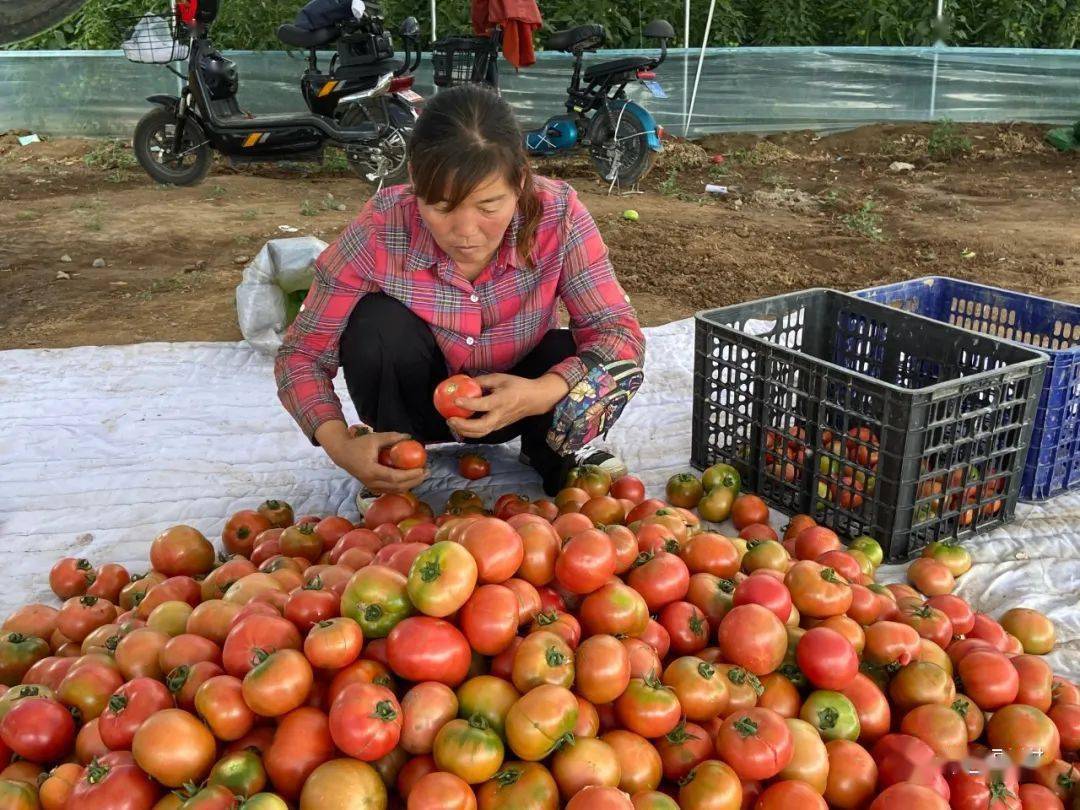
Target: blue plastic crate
{"points": [[1053, 327]]}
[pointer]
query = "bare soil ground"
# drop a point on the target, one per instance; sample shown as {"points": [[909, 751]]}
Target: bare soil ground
{"points": [[801, 211]]}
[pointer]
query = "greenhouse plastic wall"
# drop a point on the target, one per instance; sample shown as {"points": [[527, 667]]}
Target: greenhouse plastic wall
{"points": [[741, 89]]}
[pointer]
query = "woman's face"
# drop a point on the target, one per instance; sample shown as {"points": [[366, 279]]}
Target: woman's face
{"points": [[472, 232]]}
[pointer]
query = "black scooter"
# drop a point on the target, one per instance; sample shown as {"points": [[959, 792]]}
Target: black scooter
{"points": [[174, 142]]}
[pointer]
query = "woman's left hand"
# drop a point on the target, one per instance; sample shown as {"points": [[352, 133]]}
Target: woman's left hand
{"points": [[508, 399]]}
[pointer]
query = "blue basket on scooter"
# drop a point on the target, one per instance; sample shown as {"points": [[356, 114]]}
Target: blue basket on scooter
{"points": [[1053, 327]]}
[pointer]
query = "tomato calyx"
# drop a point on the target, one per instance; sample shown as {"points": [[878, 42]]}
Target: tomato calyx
{"points": [[546, 617], [315, 584], [258, 655], [793, 673], [478, 721], [1066, 781], [696, 625], [176, 679], [740, 676], [507, 777], [372, 613], [384, 710], [827, 718], [382, 680], [566, 739], [117, 703], [653, 682], [111, 642], [430, 570], [76, 714], [960, 707], [642, 558], [679, 735], [923, 612], [671, 545], [755, 543], [999, 791], [88, 601], [325, 623], [96, 772], [726, 585], [306, 528], [830, 575], [83, 564], [706, 670], [745, 727], [29, 690], [16, 638], [686, 780], [554, 657]]}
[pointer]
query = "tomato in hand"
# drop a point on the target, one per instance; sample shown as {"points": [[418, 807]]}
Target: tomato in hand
{"points": [[408, 454], [459, 386]]}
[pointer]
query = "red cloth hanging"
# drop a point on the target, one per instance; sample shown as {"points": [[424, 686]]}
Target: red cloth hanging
{"points": [[518, 18]]}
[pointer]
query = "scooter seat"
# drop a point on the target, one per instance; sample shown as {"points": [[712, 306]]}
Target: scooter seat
{"points": [[302, 38], [601, 70], [583, 37]]}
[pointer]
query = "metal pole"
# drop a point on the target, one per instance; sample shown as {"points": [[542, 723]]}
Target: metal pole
{"points": [[686, 66], [433, 35], [700, 61], [937, 46]]}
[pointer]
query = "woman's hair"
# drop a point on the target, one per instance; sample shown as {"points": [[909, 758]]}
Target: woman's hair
{"points": [[464, 135]]}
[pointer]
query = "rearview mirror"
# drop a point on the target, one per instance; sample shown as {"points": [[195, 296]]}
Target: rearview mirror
{"points": [[410, 27], [659, 29]]}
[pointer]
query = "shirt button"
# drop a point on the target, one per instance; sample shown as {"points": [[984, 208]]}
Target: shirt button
{"points": [[474, 298], [470, 341]]}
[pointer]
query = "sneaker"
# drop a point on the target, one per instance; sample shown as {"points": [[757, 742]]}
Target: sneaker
{"points": [[364, 499]]}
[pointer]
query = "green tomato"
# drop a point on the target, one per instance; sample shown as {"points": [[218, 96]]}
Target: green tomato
{"points": [[631, 215], [488, 697], [870, 547], [722, 475], [832, 714], [17, 654], [265, 801], [241, 772], [377, 599]]}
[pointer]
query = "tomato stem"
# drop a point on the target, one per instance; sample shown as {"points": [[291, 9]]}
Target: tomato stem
{"points": [[828, 717], [745, 727], [117, 703], [384, 710], [554, 657], [706, 670], [430, 570]]}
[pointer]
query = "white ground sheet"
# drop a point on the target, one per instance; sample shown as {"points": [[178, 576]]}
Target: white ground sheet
{"points": [[102, 447]]}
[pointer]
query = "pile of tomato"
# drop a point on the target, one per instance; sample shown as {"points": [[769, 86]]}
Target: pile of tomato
{"points": [[596, 651]]}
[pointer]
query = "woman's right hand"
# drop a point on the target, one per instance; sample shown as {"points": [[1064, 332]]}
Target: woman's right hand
{"points": [[359, 456]]}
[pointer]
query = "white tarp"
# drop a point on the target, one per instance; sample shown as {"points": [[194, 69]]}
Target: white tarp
{"points": [[102, 447]]}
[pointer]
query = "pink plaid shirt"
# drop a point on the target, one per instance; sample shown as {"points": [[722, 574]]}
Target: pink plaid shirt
{"points": [[485, 326]]}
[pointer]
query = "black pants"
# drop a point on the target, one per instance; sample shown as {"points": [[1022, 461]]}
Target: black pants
{"points": [[392, 365]]}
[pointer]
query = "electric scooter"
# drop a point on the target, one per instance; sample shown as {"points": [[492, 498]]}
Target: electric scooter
{"points": [[174, 142], [622, 136]]}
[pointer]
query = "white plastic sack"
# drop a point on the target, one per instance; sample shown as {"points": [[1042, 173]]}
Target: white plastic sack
{"points": [[283, 266], [151, 41]]}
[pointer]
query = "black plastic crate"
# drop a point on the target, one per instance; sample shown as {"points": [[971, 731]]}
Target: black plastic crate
{"points": [[464, 60], [873, 420]]}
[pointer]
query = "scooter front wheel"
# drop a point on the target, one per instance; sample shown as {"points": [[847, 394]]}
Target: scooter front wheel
{"points": [[620, 153], [154, 146]]}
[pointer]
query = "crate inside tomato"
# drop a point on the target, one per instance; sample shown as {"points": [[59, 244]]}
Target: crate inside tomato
{"points": [[873, 420]]}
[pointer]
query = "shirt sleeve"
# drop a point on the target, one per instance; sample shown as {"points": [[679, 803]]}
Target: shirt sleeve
{"points": [[604, 325], [307, 361]]}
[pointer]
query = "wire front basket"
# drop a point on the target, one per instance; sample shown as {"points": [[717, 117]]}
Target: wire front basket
{"points": [[464, 60], [152, 38]]}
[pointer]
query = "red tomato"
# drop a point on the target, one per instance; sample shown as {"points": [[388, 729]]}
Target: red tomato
{"points": [[907, 796], [790, 794], [989, 679], [814, 541], [648, 707], [128, 707], [687, 628], [827, 659], [474, 466], [181, 551], [496, 547], [238, 536], [459, 386], [586, 562], [71, 576], [489, 619], [1037, 797], [407, 454], [1066, 717], [256, 633], [660, 578], [756, 743], [114, 782], [764, 591], [38, 729], [753, 638], [959, 612], [309, 605], [758, 531], [301, 743], [629, 488], [365, 721], [875, 716], [422, 648], [749, 509]]}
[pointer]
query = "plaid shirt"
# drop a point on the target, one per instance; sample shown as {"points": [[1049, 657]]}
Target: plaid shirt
{"points": [[485, 326]]}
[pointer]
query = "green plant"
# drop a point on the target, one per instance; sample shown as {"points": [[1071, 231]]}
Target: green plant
{"points": [[111, 156], [26, 215], [947, 142], [249, 215], [669, 186], [216, 192], [308, 209], [865, 221]]}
